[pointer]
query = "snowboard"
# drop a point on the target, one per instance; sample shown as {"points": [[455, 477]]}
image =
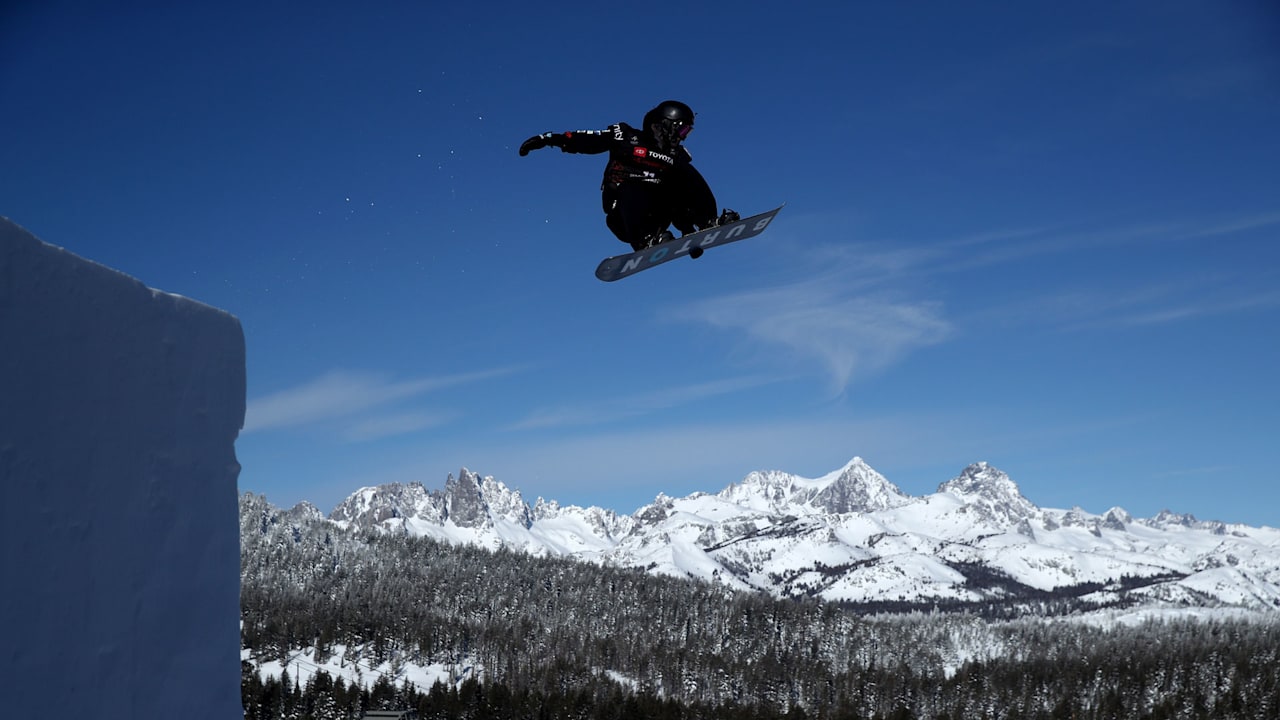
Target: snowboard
{"points": [[620, 266]]}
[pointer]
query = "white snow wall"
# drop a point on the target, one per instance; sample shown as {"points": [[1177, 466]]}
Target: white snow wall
{"points": [[119, 410]]}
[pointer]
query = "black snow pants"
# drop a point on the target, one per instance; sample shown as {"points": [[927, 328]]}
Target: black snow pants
{"points": [[637, 211]]}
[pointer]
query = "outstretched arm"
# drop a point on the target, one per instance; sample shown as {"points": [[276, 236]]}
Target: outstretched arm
{"points": [[577, 141]]}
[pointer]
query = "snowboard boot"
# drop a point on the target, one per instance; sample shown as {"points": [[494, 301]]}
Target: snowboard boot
{"points": [[654, 239], [725, 218]]}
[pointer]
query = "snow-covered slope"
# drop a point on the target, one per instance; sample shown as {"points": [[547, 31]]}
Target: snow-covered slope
{"points": [[853, 536]]}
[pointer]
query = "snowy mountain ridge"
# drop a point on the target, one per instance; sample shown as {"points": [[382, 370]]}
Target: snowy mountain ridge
{"points": [[853, 536]]}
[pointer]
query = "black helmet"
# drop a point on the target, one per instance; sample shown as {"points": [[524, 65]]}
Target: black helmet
{"points": [[670, 122]]}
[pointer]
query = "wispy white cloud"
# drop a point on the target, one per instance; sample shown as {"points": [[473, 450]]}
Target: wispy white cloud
{"points": [[1185, 310], [965, 255], [392, 425], [1230, 226], [1160, 295], [971, 252], [1154, 304], [859, 307], [821, 321], [341, 394]]}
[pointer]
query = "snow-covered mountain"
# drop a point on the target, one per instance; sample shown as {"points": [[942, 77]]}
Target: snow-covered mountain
{"points": [[853, 536]]}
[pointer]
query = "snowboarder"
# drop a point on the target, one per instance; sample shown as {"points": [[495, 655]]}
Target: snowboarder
{"points": [[650, 182]]}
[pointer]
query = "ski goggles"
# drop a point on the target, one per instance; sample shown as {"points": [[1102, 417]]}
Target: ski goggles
{"points": [[683, 130]]}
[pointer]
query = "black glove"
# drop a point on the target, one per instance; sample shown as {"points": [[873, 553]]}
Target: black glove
{"points": [[538, 142]]}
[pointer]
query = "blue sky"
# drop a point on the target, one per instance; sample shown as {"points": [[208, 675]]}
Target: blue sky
{"points": [[1045, 236]]}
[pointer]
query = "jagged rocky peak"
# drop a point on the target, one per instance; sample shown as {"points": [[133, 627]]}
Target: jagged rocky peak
{"points": [[990, 493], [543, 508], [604, 522], [472, 501], [857, 488], [1167, 517], [655, 512], [1120, 514], [772, 485], [370, 506], [1116, 519], [981, 479], [506, 503], [304, 511], [1075, 517], [463, 503]]}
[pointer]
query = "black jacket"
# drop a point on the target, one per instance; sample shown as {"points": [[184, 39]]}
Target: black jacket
{"points": [[634, 157]]}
